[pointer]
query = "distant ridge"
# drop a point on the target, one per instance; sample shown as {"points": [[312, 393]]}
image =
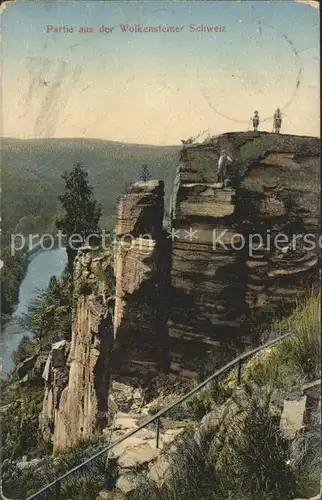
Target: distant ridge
{"points": [[32, 168], [74, 140]]}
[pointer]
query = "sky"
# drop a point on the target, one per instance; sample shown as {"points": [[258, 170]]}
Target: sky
{"points": [[158, 88]]}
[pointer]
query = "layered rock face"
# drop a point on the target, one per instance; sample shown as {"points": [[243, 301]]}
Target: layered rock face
{"points": [[76, 403], [222, 281], [142, 268], [163, 301], [56, 379]]}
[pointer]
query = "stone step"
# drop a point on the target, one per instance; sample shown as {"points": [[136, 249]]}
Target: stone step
{"points": [[137, 455], [139, 452]]}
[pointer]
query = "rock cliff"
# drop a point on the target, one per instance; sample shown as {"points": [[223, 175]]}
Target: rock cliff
{"points": [[185, 295], [77, 375], [142, 272], [222, 285]]}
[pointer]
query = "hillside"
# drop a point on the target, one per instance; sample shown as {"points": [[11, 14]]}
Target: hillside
{"points": [[31, 171]]}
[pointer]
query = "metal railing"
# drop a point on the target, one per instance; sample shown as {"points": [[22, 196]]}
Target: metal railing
{"points": [[155, 418]]}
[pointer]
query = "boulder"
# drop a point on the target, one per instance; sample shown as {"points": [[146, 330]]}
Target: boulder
{"points": [[137, 456]]}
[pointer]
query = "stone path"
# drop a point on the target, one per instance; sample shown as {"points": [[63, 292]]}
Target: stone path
{"points": [[139, 453]]}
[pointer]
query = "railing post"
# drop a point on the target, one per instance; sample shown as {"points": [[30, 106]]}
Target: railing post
{"points": [[57, 490], [239, 372], [158, 431]]}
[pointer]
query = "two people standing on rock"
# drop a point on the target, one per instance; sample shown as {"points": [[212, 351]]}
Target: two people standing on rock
{"points": [[225, 158], [277, 118]]}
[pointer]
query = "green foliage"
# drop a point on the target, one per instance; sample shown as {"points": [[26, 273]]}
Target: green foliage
{"points": [[12, 274], [32, 169], [145, 173], [244, 453], [306, 460], [200, 404], [286, 365], [50, 317], [21, 405], [49, 321], [241, 454], [82, 212], [297, 357], [255, 458], [191, 474], [303, 350], [26, 198], [220, 358], [164, 385], [27, 347], [31, 184], [27, 208], [82, 485]]}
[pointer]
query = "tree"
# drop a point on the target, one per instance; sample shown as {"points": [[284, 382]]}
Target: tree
{"points": [[145, 173], [82, 212]]}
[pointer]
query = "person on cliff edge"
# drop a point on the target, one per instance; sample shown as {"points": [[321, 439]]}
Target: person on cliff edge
{"points": [[223, 161], [277, 121], [255, 121]]}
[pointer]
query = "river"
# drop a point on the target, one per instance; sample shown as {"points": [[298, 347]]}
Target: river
{"points": [[41, 268]]}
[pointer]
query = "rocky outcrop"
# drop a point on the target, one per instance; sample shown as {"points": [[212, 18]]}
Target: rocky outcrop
{"points": [[142, 268], [55, 376], [164, 301], [223, 282], [76, 403]]}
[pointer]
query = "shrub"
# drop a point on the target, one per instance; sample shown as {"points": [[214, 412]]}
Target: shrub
{"points": [[27, 347], [302, 351], [20, 433], [84, 484], [294, 359], [200, 404], [239, 453], [254, 461], [306, 458], [50, 317], [191, 474]]}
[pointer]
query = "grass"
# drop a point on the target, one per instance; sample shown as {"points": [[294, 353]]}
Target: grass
{"points": [[239, 453], [242, 454], [285, 366], [291, 361], [306, 457], [303, 350], [85, 484], [245, 455]]}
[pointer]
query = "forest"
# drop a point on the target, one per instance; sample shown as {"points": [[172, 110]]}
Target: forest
{"points": [[31, 183]]}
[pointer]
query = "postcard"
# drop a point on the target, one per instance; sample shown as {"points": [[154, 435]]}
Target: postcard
{"points": [[160, 265]]}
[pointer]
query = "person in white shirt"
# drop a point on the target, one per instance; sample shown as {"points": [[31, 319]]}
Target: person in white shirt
{"points": [[223, 161]]}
